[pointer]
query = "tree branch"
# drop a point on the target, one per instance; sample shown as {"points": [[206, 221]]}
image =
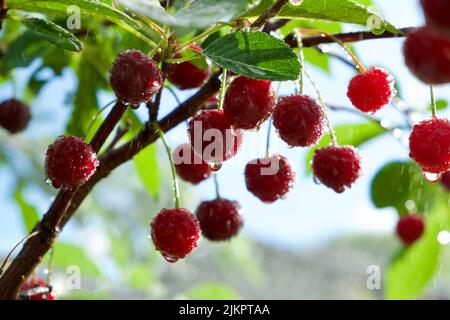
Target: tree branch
{"points": [[3, 12], [269, 13]]}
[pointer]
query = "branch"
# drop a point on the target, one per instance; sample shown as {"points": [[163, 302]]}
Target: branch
{"points": [[269, 14], [3, 12]]}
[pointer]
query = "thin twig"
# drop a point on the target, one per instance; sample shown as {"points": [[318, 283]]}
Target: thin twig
{"points": [[269, 14]]}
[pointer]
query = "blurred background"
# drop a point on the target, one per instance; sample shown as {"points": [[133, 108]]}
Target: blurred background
{"points": [[315, 244]]}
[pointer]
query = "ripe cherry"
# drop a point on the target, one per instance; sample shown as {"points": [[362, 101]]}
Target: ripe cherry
{"points": [[410, 228], [429, 145], [175, 233], [299, 120], [426, 55], [70, 162], [36, 289], [371, 90], [212, 136], [249, 102], [135, 78], [337, 167], [436, 14], [189, 166], [270, 178], [14, 115], [220, 219]]}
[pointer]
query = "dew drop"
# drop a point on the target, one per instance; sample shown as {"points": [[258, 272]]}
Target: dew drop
{"points": [[316, 180], [170, 259], [48, 182], [216, 166], [431, 177]]}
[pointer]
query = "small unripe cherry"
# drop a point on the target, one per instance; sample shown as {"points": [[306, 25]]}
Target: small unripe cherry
{"points": [[410, 228], [189, 166], [14, 115], [249, 102], [175, 233], [135, 78], [299, 120]]}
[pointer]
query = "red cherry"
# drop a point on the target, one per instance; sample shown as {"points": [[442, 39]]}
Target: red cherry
{"points": [[371, 90], [175, 233], [249, 102], [436, 14], [410, 228], [270, 178], [134, 77], [36, 289], [70, 162], [337, 167], [189, 166], [14, 115], [220, 219], [212, 136], [299, 120], [426, 55], [429, 145]]}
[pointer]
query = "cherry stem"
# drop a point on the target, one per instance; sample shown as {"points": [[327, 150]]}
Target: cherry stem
{"points": [[324, 108], [2, 267], [216, 185], [269, 130], [95, 118], [433, 102], [301, 57], [50, 265], [176, 190], [223, 89]]}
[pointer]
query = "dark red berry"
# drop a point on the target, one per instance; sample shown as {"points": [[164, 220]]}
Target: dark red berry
{"points": [[70, 162], [270, 178], [337, 167], [212, 136], [249, 102], [436, 14], [299, 120], [189, 166], [36, 289], [175, 233], [410, 228], [220, 219], [14, 115], [134, 77], [186, 75], [429, 145], [445, 180], [427, 56], [371, 90]]}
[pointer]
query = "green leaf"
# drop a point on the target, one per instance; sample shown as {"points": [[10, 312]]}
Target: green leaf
{"points": [[255, 55], [30, 215], [212, 291], [66, 254], [53, 33], [410, 272], [146, 164], [441, 104], [348, 134], [399, 182]]}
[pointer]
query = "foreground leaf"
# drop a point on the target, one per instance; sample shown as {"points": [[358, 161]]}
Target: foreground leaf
{"points": [[146, 164]]}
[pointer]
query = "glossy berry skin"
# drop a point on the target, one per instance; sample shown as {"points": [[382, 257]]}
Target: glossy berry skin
{"points": [[70, 162], [134, 77], [175, 233], [212, 137], [337, 167], [249, 102], [270, 178], [14, 115], [410, 228], [426, 55], [36, 289], [371, 90], [189, 166], [429, 145], [445, 180], [186, 75], [220, 219], [437, 13], [299, 120]]}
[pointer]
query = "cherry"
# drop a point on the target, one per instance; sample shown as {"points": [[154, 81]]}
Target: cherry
{"points": [[175, 233], [14, 115], [445, 180], [70, 162], [220, 219], [299, 120], [429, 145], [135, 78], [337, 167], [189, 166], [186, 75], [436, 14], [371, 90], [212, 136], [249, 102], [426, 55], [36, 289], [410, 228], [270, 178]]}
